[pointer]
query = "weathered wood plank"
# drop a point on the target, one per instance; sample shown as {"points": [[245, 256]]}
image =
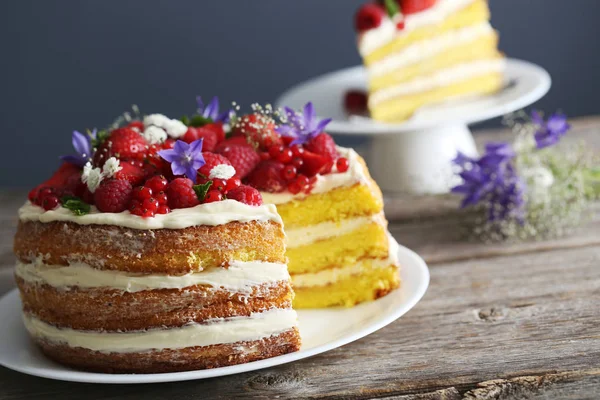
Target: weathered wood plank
{"points": [[498, 318]]}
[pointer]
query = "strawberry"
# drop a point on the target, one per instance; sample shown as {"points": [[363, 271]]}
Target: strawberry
{"points": [[368, 17], [209, 136], [267, 176], [66, 179], [212, 160], [236, 140], [322, 144], [122, 143], [314, 164], [259, 129], [415, 6], [243, 158], [131, 173], [139, 125]]}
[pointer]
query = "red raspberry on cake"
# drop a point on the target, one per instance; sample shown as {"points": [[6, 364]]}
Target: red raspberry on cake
{"points": [[113, 195], [368, 17], [267, 176], [181, 194], [243, 158], [122, 143], [246, 194], [212, 160]]}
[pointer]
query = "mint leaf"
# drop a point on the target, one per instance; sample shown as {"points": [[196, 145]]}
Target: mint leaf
{"points": [[391, 6], [202, 189], [198, 120], [75, 204], [185, 119], [101, 136]]}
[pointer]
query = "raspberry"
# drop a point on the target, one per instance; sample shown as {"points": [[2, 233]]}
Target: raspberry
{"points": [[259, 129], [243, 158], [180, 194], [157, 183], [267, 176], [210, 137], [368, 17], [246, 194], [217, 128], [342, 164], [236, 140], [113, 195], [212, 160], [132, 173], [313, 164], [415, 6], [122, 143], [324, 145], [355, 102], [212, 196]]}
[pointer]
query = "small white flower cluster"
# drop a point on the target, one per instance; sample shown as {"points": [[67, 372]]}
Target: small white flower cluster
{"points": [[222, 171], [173, 127], [92, 177], [154, 135]]}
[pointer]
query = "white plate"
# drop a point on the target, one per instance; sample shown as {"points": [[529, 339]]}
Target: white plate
{"points": [[321, 330], [525, 84]]}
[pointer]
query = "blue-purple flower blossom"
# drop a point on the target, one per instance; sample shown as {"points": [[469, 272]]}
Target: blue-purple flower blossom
{"points": [[212, 110], [551, 131], [302, 127], [82, 144], [492, 179], [185, 158]]}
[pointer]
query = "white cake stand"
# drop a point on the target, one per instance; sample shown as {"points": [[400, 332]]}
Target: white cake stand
{"points": [[415, 156]]}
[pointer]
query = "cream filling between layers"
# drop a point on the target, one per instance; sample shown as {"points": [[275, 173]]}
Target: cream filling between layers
{"points": [[428, 48], [215, 331], [239, 276], [325, 183], [310, 234], [371, 40], [440, 79], [217, 213], [333, 275]]}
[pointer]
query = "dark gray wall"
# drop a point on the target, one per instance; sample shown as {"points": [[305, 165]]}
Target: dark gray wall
{"points": [[74, 64]]}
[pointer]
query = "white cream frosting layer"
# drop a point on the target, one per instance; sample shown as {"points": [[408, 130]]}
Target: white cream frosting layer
{"points": [[441, 78], [310, 234], [371, 40], [325, 183], [239, 276], [332, 275], [214, 331], [428, 48], [217, 213]]}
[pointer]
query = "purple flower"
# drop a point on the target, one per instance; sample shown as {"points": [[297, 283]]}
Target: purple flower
{"points": [[492, 180], [212, 110], [302, 127], [83, 146], [549, 132], [185, 158]]}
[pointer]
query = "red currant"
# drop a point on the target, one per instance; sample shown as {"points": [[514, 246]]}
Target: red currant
{"points": [[148, 213], [212, 196], [163, 209], [264, 155], [157, 183], [218, 184], [275, 150], [294, 187], [161, 197], [297, 150], [288, 172], [50, 202], [150, 204], [232, 184], [297, 161], [136, 209], [302, 181], [342, 164], [285, 156], [142, 193]]}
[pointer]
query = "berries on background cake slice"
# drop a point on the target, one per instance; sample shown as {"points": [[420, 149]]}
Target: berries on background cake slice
{"points": [[267, 176], [415, 6], [368, 17], [258, 129]]}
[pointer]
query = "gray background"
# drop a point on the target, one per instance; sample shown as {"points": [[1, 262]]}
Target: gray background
{"points": [[74, 64]]}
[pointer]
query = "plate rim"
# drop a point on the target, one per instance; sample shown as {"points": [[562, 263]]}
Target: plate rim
{"points": [[421, 269]]}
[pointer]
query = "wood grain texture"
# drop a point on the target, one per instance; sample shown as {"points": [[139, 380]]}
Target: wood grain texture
{"points": [[499, 322]]}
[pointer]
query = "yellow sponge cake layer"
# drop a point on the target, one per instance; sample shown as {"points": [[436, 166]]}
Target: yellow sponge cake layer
{"points": [[369, 240], [475, 12]]}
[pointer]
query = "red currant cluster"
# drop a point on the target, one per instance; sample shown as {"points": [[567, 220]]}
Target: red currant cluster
{"points": [[150, 199], [45, 197]]}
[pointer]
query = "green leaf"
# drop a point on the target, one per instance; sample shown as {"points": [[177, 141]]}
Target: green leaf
{"points": [[198, 120], [185, 119], [75, 204], [391, 6], [202, 189], [101, 136]]}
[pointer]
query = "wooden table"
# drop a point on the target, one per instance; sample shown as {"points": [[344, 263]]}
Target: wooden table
{"points": [[498, 321]]}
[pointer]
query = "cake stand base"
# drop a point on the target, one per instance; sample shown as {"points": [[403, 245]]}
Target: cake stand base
{"points": [[419, 162]]}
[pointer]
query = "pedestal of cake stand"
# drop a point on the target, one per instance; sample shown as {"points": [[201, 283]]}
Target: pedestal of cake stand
{"points": [[419, 161], [416, 156]]}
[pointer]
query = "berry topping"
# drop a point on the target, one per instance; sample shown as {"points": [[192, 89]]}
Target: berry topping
{"points": [[236, 140], [243, 158], [50, 202], [132, 173], [368, 17], [209, 136], [139, 125], [324, 145], [211, 160], [217, 128], [150, 204], [415, 6], [122, 143], [181, 194], [113, 195], [212, 196], [157, 183], [267, 176], [289, 172], [163, 209], [355, 102], [259, 129], [314, 164], [232, 184], [342, 164], [247, 195], [142, 193], [161, 197]]}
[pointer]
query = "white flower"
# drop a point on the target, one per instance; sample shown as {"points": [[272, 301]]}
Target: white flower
{"points": [[91, 177], [539, 179], [173, 127], [154, 135], [111, 167], [222, 171]]}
